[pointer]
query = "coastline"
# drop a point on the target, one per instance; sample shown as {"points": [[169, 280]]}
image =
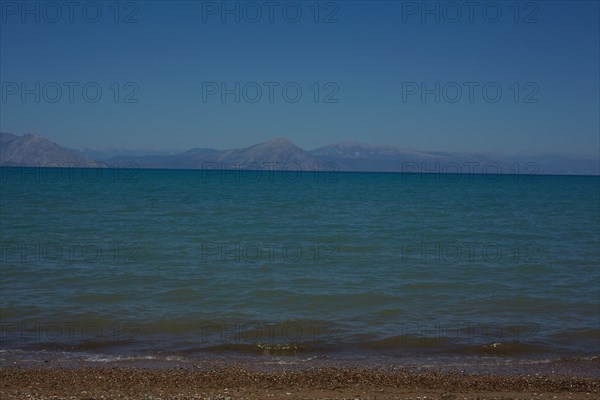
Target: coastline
{"points": [[235, 382]]}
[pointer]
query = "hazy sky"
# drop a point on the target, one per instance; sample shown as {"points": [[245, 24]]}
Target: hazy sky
{"points": [[456, 76]]}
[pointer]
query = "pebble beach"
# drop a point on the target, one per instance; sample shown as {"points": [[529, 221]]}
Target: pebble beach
{"points": [[318, 383]]}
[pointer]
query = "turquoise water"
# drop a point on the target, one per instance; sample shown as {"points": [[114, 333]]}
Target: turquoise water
{"points": [[194, 262]]}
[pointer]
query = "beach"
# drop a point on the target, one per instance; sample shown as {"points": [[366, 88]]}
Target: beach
{"points": [[318, 383]]}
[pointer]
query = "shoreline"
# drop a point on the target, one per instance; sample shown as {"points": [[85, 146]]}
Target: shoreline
{"points": [[566, 365], [234, 382]]}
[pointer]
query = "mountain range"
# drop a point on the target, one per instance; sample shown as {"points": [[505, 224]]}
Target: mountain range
{"points": [[280, 153]]}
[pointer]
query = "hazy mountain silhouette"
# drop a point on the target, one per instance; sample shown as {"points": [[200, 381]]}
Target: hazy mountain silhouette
{"points": [[37, 151], [280, 153], [275, 154]]}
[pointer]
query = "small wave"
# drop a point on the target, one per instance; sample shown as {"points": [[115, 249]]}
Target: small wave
{"points": [[404, 342], [104, 358], [505, 349], [281, 349]]}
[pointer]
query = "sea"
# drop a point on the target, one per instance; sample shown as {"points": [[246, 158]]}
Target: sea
{"points": [[101, 265]]}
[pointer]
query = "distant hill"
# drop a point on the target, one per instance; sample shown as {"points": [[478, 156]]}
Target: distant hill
{"points": [[356, 150], [354, 156], [37, 151], [280, 153], [276, 152]]}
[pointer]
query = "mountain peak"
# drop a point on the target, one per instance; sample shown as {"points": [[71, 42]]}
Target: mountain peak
{"points": [[37, 151], [280, 151]]}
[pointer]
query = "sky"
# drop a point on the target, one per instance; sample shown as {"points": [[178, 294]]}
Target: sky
{"points": [[487, 76]]}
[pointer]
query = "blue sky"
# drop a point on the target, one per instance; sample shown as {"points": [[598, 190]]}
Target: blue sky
{"points": [[424, 75]]}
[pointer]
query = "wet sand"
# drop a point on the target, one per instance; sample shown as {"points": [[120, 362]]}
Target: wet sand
{"points": [[315, 383]]}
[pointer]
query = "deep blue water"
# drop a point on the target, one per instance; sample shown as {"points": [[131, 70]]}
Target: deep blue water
{"points": [[191, 262]]}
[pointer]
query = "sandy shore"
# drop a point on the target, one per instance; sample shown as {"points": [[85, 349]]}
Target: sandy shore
{"points": [[318, 383]]}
